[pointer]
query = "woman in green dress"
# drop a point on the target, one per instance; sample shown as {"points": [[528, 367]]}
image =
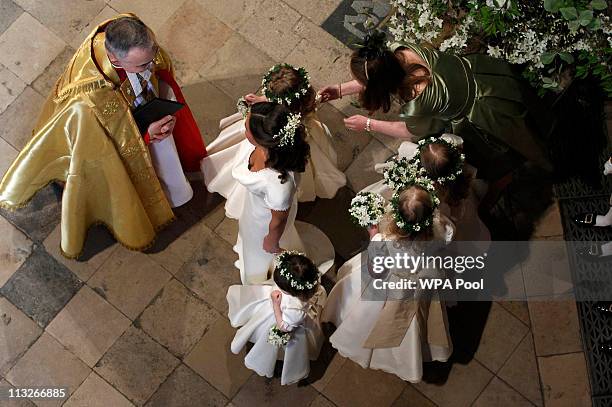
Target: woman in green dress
{"points": [[476, 97]]}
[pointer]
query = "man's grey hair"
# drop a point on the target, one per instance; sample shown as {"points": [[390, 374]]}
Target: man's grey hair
{"points": [[126, 33]]}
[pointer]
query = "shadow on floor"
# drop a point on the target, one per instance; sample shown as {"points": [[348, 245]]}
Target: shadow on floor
{"points": [[203, 202]]}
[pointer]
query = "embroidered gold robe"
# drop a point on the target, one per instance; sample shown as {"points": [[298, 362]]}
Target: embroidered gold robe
{"points": [[86, 137]]}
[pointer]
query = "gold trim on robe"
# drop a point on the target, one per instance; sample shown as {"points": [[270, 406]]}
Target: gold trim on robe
{"points": [[86, 137]]}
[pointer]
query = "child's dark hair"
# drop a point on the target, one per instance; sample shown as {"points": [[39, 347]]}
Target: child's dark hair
{"points": [[288, 79], [441, 160], [302, 270], [268, 119]]}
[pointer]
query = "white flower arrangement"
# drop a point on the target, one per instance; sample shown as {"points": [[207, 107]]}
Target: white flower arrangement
{"points": [[499, 4], [243, 107], [367, 209], [547, 42], [277, 337], [287, 133], [459, 40], [416, 21], [401, 171]]}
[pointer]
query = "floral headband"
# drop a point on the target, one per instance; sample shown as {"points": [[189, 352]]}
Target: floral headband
{"points": [[287, 133], [291, 94], [280, 264], [458, 170], [403, 223]]}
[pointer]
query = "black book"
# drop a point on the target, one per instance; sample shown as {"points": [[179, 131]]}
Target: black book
{"points": [[154, 110]]}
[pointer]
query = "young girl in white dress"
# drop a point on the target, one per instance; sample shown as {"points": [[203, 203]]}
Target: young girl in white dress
{"points": [[454, 180], [281, 318], [268, 167], [291, 87], [396, 336]]}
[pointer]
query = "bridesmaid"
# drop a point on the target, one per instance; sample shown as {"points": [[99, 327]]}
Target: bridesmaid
{"points": [[291, 87], [478, 96], [395, 335], [281, 318], [268, 168]]}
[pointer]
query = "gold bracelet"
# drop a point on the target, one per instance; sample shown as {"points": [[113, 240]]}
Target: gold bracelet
{"points": [[340, 90], [368, 125]]}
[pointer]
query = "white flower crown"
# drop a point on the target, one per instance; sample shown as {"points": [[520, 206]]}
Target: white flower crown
{"points": [[458, 170], [289, 95], [287, 133], [406, 225], [280, 264]]}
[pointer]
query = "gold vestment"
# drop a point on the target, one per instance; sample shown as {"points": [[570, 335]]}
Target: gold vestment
{"points": [[86, 137]]}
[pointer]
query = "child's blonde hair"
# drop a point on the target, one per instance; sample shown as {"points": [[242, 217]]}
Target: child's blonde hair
{"points": [[415, 205]]}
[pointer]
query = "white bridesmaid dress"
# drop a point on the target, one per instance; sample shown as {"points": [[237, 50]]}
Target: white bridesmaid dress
{"points": [[250, 310], [355, 318], [321, 177], [249, 198], [469, 226], [262, 192]]}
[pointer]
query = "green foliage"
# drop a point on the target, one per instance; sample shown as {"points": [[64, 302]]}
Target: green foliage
{"points": [[552, 41], [599, 4]]}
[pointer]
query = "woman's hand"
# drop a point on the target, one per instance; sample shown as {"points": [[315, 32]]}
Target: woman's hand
{"points": [[270, 244], [356, 123], [276, 297], [252, 98], [330, 93]]}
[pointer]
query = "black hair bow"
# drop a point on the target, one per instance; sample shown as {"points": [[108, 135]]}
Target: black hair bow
{"points": [[373, 46]]}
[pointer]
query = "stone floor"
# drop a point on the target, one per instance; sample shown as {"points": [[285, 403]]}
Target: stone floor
{"points": [[122, 328]]}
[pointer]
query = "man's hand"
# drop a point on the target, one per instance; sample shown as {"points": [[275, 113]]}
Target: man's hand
{"points": [[161, 129]]}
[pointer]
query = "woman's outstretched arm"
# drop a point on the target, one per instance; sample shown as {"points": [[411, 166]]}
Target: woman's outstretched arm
{"points": [[393, 129]]}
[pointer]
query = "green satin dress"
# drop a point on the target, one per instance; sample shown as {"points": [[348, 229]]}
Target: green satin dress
{"points": [[480, 99]]}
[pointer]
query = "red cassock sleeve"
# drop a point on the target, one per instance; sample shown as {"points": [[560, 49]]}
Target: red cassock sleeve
{"points": [[187, 136]]}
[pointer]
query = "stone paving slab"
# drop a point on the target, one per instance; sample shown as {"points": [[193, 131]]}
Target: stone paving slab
{"points": [[41, 287]]}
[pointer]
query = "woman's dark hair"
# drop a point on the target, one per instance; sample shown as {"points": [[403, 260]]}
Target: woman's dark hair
{"points": [[385, 75], [440, 160], [268, 119], [303, 270], [288, 79]]}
